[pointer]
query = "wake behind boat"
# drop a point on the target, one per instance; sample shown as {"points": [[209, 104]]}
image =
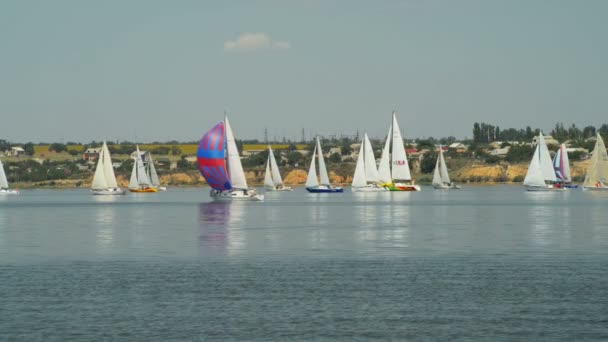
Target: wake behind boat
{"points": [[220, 164]]}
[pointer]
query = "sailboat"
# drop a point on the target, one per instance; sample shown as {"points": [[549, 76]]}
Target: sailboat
{"points": [[140, 182], [4, 190], [312, 183], [152, 175], [541, 175], [272, 178], [597, 173], [220, 164], [104, 180], [397, 178], [561, 165], [366, 177], [441, 179]]}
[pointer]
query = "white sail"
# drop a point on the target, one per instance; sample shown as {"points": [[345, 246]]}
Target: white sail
{"points": [[384, 168], [400, 166], [359, 178], [598, 165], [436, 176], [267, 177], [3, 180], [133, 184], [545, 160], [274, 169], [324, 178], [311, 180], [142, 176], [108, 169], [99, 179], [566, 162], [535, 177], [371, 173], [153, 175], [443, 169], [235, 169]]}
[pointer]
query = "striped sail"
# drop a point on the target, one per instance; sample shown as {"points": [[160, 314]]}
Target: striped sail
{"points": [[211, 155]]}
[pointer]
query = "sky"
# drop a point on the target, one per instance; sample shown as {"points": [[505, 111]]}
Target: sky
{"points": [[157, 70]]}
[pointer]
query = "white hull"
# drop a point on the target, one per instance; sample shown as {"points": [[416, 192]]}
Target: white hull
{"points": [[116, 191], [283, 188], [9, 192], [446, 187], [238, 195], [161, 188], [368, 188], [542, 188]]}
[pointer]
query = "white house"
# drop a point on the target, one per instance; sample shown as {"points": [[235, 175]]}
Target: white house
{"points": [[17, 151]]}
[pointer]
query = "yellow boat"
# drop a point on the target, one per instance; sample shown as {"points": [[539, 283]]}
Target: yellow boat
{"points": [[148, 189]]}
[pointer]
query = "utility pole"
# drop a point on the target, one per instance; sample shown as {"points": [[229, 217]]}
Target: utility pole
{"points": [[265, 135]]}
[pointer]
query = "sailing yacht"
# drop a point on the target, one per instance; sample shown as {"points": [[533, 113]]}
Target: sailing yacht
{"points": [[152, 175], [272, 178], [366, 177], [441, 179], [397, 177], [541, 175], [140, 182], [597, 173], [219, 162], [4, 189], [104, 180], [312, 183], [561, 164]]}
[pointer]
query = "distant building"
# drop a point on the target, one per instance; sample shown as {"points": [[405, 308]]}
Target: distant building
{"points": [[548, 140], [91, 153], [337, 150], [458, 147], [500, 152], [17, 151]]}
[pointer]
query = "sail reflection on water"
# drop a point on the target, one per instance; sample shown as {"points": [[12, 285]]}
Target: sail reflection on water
{"points": [[219, 227]]}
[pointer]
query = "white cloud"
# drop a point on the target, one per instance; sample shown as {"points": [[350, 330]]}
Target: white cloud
{"points": [[254, 41]]}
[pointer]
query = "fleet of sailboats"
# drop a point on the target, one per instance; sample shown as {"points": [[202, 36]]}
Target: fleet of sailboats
{"points": [[441, 178], [272, 177], [152, 175], [219, 162], [322, 184], [366, 177], [394, 169], [4, 189], [104, 180]]}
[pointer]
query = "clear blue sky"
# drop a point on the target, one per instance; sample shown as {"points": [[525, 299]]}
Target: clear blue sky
{"points": [[161, 70]]}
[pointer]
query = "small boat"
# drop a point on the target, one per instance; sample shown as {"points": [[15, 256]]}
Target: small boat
{"points": [[366, 178], [272, 178], [441, 179], [104, 180], [152, 175], [312, 183], [219, 162], [561, 164], [596, 178], [140, 182], [397, 177], [541, 175], [4, 189]]}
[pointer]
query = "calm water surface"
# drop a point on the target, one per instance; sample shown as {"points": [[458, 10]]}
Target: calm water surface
{"points": [[485, 264]]}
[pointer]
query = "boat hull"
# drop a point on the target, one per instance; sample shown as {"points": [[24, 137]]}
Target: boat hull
{"points": [[324, 189], [402, 187], [236, 195], [144, 190], [161, 188], [9, 192], [593, 188], [283, 188], [108, 192], [369, 188], [446, 187]]}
